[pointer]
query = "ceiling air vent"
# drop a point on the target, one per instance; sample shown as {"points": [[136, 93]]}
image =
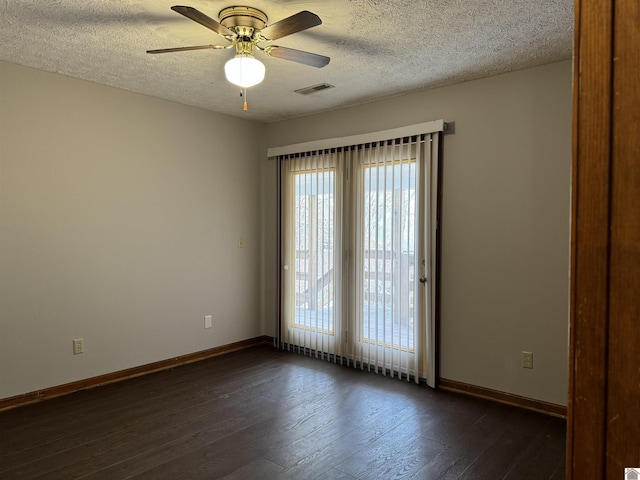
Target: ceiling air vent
{"points": [[313, 89]]}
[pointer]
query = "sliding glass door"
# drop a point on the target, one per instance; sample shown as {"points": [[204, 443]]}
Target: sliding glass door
{"points": [[385, 267], [357, 256]]}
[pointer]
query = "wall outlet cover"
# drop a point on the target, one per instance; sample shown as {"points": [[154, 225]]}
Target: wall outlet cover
{"points": [[527, 359], [78, 346]]}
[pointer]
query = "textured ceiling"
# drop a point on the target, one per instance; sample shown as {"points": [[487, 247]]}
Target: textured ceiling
{"points": [[378, 48]]}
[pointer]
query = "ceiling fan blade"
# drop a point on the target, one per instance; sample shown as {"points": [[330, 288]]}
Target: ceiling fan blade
{"points": [[311, 59], [184, 49], [197, 16], [293, 24]]}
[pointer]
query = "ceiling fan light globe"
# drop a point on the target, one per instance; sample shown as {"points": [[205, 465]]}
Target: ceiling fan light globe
{"points": [[244, 71]]}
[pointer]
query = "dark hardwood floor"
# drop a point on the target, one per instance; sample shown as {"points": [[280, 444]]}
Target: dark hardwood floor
{"points": [[262, 413]]}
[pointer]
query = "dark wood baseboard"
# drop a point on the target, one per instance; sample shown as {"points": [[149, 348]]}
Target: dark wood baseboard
{"points": [[503, 397], [67, 388]]}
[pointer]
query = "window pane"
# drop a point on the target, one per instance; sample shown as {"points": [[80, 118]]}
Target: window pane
{"points": [[313, 243], [388, 249]]}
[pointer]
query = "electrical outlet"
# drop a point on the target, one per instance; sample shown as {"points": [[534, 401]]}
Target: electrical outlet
{"points": [[78, 346], [527, 360], [208, 320]]}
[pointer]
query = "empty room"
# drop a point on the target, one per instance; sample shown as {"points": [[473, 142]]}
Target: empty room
{"points": [[305, 239]]}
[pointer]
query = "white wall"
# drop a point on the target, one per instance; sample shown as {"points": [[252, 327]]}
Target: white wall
{"points": [[119, 217], [505, 225]]}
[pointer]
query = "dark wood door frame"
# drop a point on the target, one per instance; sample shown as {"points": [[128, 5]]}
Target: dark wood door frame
{"points": [[603, 431]]}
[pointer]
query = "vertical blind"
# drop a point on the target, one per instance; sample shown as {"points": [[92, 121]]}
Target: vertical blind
{"points": [[357, 256], [385, 261], [312, 246]]}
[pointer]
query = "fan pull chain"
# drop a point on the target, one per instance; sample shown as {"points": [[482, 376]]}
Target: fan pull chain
{"points": [[245, 107]]}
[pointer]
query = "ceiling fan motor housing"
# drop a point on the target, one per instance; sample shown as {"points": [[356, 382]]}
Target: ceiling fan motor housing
{"points": [[241, 19]]}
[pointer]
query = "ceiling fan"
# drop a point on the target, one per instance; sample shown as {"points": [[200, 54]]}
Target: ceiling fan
{"points": [[245, 28]]}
